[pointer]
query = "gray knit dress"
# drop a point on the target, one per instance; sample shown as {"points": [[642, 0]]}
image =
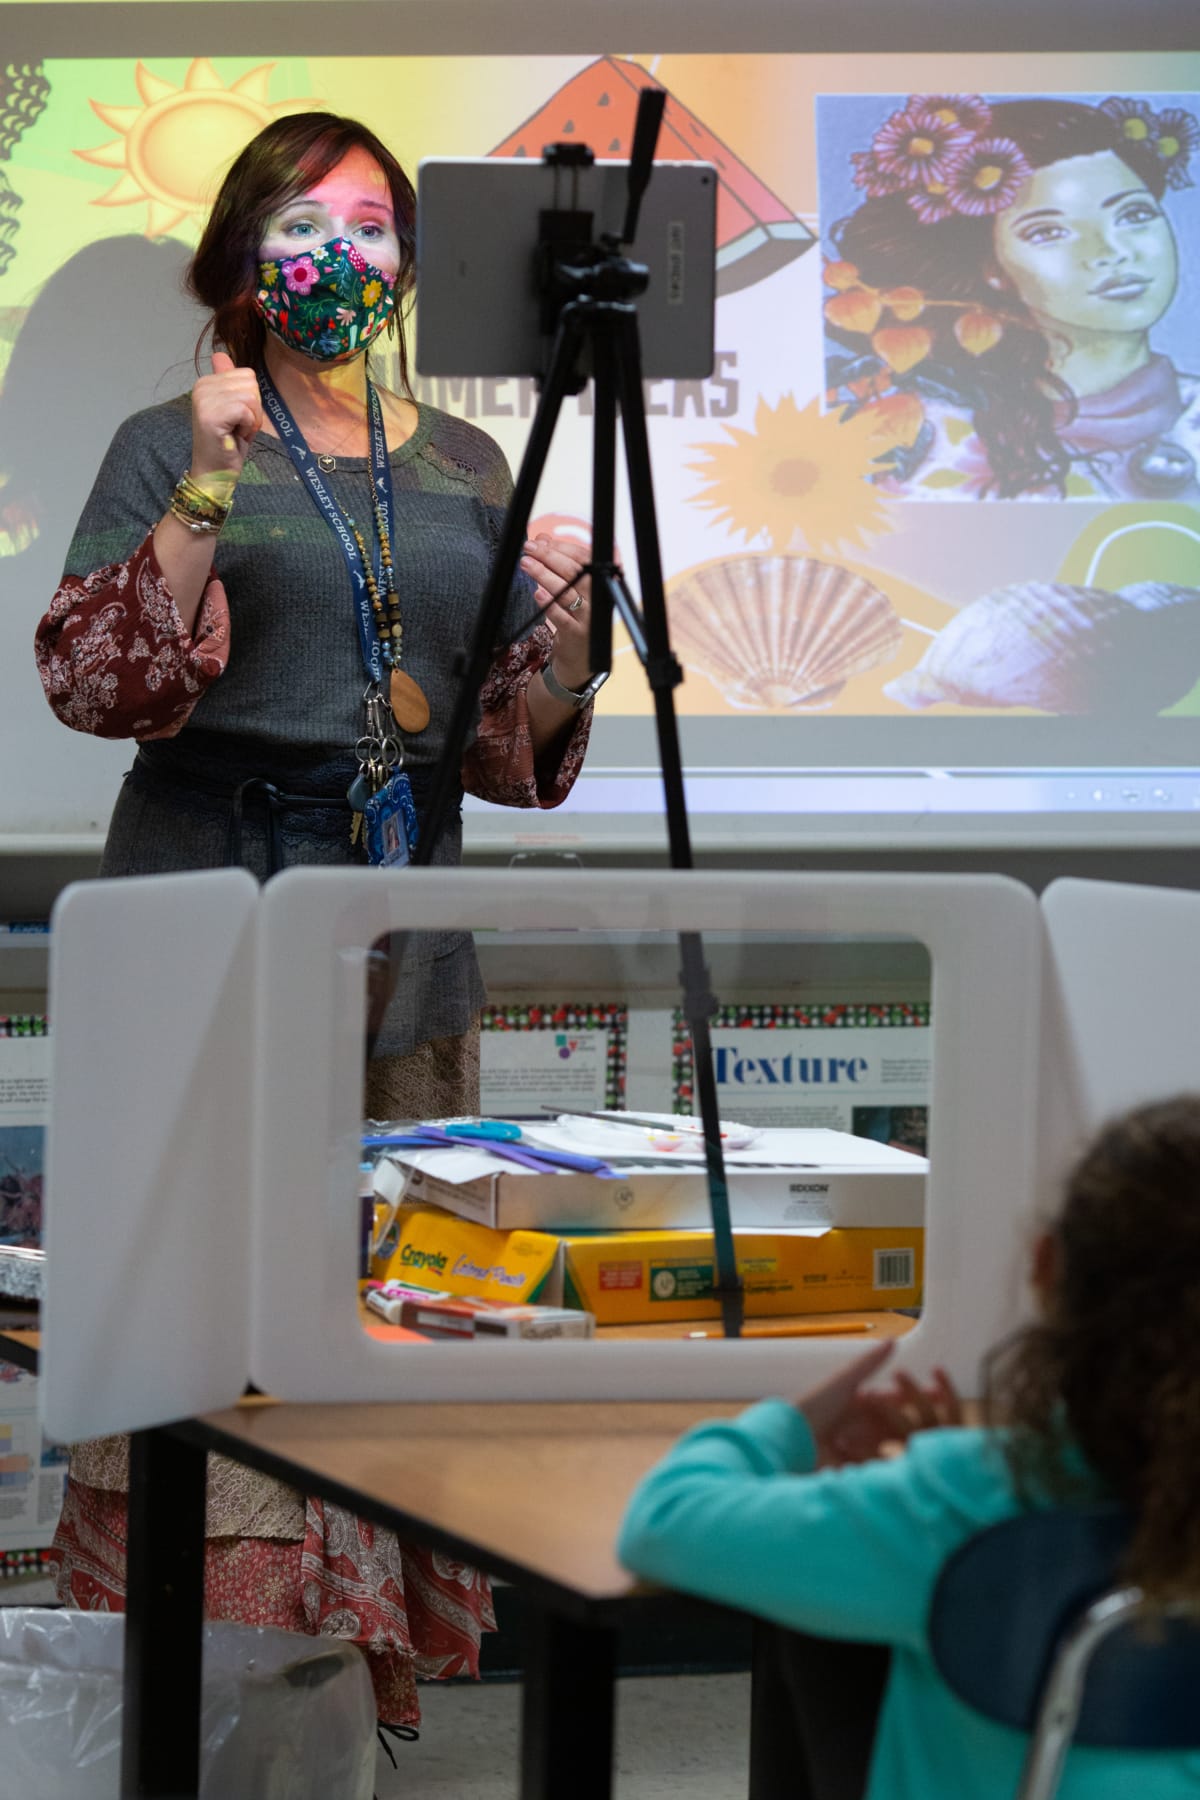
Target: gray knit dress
{"points": [[287, 706], [269, 687]]}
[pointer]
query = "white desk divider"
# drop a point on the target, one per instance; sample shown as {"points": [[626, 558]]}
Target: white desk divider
{"points": [[147, 1303], [984, 938], [1121, 1019]]}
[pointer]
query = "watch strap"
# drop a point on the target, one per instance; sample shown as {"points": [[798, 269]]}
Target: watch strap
{"points": [[574, 697]]}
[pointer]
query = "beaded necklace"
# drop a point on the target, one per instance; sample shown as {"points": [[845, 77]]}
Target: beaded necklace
{"points": [[410, 708]]}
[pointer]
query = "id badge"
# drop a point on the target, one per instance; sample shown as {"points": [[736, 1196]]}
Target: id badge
{"points": [[390, 823]]}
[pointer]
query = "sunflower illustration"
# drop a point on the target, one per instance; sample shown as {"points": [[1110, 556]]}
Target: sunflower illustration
{"points": [[795, 479]]}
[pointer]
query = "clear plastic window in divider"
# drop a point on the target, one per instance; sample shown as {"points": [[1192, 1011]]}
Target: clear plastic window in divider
{"points": [[541, 1188], [547, 1179]]}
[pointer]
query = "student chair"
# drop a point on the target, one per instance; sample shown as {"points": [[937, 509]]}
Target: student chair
{"points": [[1031, 1627]]}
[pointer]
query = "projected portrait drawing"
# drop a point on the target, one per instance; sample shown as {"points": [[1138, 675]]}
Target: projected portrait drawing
{"points": [[996, 295]]}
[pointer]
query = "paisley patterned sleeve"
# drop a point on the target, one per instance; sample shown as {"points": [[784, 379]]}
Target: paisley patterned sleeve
{"points": [[500, 765], [115, 657]]}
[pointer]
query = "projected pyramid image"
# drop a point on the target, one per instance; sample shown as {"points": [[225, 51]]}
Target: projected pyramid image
{"points": [[756, 232]]}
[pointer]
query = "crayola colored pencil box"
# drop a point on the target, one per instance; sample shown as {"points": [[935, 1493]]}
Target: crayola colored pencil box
{"points": [[641, 1277], [431, 1248]]}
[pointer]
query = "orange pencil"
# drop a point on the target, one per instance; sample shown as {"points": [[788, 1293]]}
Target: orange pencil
{"points": [[834, 1328]]}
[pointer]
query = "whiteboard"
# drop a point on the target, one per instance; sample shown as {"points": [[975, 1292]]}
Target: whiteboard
{"points": [[857, 773]]}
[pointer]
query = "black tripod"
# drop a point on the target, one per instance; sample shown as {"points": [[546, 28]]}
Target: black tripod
{"points": [[590, 288]]}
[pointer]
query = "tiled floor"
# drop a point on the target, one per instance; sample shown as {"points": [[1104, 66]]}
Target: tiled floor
{"points": [[679, 1737]]}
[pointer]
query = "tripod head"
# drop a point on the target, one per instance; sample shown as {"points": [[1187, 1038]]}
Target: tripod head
{"points": [[573, 266]]}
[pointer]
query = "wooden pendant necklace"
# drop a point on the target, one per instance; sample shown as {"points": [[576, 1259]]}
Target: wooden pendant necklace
{"points": [[410, 708]]}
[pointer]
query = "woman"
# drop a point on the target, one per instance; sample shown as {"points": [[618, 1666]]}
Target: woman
{"points": [[804, 1513], [269, 571], [996, 294]]}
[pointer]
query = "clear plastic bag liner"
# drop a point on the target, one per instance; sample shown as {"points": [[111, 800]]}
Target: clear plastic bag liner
{"points": [[283, 1716]]}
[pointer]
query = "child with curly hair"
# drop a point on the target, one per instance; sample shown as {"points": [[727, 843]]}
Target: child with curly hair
{"points": [[798, 1513]]}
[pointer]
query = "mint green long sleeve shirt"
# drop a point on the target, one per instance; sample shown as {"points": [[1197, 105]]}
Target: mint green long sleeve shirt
{"points": [[737, 1512]]}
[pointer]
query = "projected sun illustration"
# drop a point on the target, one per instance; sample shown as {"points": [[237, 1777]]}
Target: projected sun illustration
{"points": [[175, 145]]}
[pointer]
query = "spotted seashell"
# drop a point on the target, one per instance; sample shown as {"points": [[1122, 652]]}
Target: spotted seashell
{"points": [[1063, 649], [774, 631]]}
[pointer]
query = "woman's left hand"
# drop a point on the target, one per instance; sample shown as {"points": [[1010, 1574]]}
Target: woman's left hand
{"points": [[566, 596]]}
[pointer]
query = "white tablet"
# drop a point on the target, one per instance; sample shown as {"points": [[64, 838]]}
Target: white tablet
{"points": [[479, 310]]}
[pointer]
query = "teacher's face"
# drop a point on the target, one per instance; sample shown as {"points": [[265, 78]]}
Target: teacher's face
{"points": [[1088, 247], [353, 201]]}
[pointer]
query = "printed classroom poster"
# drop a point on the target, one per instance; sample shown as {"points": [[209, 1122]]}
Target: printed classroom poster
{"points": [[568, 1055], [32, 1473], [857, 1068]]}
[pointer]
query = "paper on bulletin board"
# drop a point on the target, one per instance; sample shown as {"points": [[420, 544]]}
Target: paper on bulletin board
{"points": [[569, 1055], [32, 1473], [869, 1079], [520, 1072], [24, 1109]]}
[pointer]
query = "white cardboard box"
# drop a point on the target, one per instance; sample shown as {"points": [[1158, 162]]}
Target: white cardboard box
{"points": [[795, 1178]]}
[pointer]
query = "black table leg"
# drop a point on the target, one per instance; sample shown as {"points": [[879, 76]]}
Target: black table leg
{"points": [[164, 1613], [813, 1711], [568, 1709]]}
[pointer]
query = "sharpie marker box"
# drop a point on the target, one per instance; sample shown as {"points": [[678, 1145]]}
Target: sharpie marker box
{"points": [[641, 1277]]}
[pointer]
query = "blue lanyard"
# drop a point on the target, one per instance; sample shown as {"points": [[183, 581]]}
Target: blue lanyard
{"points": [[323, 500]]}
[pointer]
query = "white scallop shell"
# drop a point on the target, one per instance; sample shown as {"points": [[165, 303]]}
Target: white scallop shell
{"points": [[780, 630], [1063, 649]]}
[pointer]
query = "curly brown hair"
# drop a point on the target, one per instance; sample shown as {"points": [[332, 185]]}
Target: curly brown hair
{"points": [[1113, 1365], [284, 159], [1014, 390]]}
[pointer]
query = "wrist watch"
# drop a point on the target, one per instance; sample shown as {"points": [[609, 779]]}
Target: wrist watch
{"points": [[575, 697]]}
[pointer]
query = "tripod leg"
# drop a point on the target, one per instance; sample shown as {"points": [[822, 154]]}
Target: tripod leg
{"points": [[664, 675], [495, 596], [444, 789], [604, 488]]}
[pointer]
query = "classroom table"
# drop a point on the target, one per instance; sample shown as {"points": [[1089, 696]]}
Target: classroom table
{"points": [[532, 1492]]}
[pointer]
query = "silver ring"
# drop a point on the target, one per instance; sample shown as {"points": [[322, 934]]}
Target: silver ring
{"points": [[576, 603]]}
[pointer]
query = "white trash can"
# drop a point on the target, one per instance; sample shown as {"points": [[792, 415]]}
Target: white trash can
{"points": [[283, 1716]]}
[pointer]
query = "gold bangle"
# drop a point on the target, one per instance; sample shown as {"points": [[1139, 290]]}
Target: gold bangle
{"points": [[217, 486], [192, 501], [191, 520]]}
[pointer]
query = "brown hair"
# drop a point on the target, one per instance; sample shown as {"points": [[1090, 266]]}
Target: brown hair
{"points": [[285, 158], [1011, 390], [1113, 1365]]}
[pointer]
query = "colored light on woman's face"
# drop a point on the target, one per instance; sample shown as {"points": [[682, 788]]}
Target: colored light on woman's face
{"points": [[1088, 247], [353, 201]]}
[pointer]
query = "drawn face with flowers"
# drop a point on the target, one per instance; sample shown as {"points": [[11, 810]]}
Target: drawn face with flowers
{"points": [[1088, 248], [996, 290]]}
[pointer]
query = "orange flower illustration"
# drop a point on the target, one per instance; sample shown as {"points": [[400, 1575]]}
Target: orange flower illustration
{"points": [[841, 275], [904, 303], [902, 347], [796, 480], [896, 419], [858, 309], [978, 332]]}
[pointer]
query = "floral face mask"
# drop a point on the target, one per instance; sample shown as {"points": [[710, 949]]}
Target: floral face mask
{"points": [[328, 302]]}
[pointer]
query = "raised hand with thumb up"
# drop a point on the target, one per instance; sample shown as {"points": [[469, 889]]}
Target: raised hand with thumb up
{"points": [[226, 414]]}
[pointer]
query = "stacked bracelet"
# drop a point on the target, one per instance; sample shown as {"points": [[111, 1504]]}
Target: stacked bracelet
{"points": [[202, 506]]}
